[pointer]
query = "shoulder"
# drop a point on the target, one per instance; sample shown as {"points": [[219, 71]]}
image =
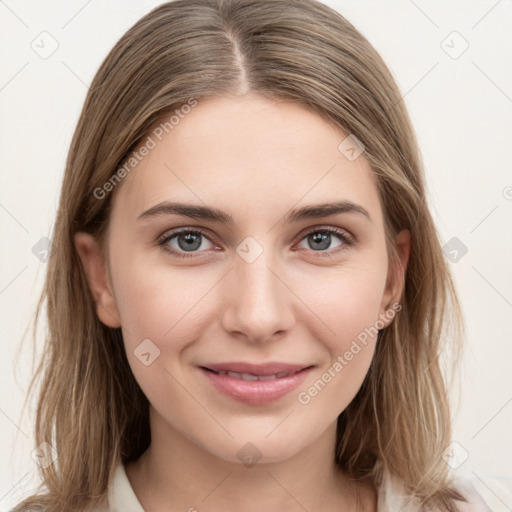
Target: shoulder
{"points": [[476, 501], [121, 496], [391, 497]]}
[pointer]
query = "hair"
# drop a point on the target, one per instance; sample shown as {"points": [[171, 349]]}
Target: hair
{"points": [[90, 407]]}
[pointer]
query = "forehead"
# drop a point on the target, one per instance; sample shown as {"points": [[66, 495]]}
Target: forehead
{"points": [[250, 154]]}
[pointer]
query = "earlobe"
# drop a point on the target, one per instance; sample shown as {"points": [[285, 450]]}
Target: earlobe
{"points": [[94, 264], [396, 274]]}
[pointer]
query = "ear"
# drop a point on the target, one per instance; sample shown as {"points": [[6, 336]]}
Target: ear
{"points": [[95, 267], [396, 274]]}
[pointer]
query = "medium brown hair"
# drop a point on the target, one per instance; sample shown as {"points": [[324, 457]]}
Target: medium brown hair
{"points": [[90, 408]]}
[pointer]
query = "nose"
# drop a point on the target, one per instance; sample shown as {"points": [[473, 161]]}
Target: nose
{"points": [[259, 300]]}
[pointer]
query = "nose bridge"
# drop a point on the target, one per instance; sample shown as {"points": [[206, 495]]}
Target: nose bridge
{"points": [[258, 299]]}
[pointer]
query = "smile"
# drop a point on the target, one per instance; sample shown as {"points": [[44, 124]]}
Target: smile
{"points": [[255, 385], [250, 376]]}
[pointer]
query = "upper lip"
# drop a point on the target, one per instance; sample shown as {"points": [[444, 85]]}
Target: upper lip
{"points": [[271, 368]]}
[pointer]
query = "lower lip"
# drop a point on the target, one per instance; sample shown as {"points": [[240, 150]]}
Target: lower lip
{"points": [[256, 392]]}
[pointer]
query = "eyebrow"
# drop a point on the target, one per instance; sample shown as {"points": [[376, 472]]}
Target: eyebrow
{"points": [[216, 215]]}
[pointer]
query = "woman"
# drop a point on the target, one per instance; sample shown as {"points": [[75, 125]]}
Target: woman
{"points": [[247, 298]]}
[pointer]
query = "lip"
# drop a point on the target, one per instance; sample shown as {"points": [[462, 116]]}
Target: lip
{"points": [[256, 392]]}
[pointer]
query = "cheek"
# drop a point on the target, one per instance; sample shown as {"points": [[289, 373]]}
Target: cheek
{"points": [[348, 308], [346, 301], [166, 305], [159, 311]]}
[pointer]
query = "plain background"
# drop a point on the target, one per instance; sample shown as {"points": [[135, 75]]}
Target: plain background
{"points": [[460, 102]]}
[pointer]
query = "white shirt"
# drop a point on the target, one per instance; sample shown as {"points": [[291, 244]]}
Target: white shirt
{"points": [[122, 498]]}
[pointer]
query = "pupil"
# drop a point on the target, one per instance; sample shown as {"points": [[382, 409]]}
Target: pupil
{"points": [[323, 239], [190, 240]]}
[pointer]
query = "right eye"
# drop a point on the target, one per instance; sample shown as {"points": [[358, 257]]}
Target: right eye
{"points": [[185, 241]]}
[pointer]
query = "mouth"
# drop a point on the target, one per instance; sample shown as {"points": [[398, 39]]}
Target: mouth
{"points": [[252, 376], [255, 384]]}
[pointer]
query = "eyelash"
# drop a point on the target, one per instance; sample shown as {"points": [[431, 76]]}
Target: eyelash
{"points": [[342, 234]]}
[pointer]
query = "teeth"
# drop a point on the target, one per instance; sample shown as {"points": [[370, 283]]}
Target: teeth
{"points": [[250, 376]]}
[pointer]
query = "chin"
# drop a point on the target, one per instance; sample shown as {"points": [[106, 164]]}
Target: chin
{"points": [[248, 450]]}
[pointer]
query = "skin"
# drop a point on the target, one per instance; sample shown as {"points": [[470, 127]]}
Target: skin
{"points": [[255, 159]]}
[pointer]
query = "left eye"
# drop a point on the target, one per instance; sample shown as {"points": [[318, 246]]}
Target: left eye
{"points": [[320, 239], [190, 240]]}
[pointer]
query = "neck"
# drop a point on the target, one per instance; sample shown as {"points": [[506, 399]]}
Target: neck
{"points": [[176, 474]]}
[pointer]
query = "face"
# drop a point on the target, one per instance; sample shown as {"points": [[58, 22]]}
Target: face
{"points": [[285, 297]]}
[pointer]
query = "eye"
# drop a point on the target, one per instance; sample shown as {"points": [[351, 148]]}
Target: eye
{"points": [[319, 239], [179, 243], [186, 241]]}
